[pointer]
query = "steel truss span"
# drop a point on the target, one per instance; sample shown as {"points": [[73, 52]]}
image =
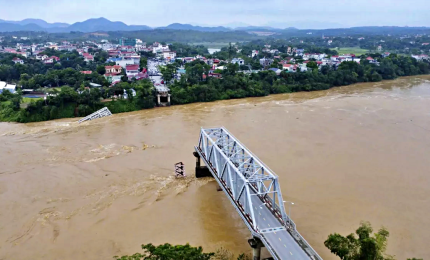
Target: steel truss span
{"points": [[254, 191]]}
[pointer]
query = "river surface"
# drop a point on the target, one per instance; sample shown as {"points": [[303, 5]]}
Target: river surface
{"points": [[103, 188]]}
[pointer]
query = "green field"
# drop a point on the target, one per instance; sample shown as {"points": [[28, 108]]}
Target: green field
{"points": [[352, 50], [29, 100]]}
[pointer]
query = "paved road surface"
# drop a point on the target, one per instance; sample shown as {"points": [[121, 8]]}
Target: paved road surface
{"points": [[281, 241]]}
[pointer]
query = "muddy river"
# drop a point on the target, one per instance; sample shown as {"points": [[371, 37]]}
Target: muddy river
{"points": [[103, 188]]}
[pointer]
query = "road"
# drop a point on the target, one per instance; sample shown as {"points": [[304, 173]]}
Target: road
{"points": [[153, 67], [281, 241]]}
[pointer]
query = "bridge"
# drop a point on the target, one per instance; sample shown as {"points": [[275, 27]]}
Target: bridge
{"points": [[98, 114], [254, 191]]}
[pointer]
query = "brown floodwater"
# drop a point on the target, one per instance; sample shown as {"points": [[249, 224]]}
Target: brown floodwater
{"points": [[103, 188]]}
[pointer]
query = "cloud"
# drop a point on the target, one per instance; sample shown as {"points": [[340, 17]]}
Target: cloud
{"points": [[216, 12]]}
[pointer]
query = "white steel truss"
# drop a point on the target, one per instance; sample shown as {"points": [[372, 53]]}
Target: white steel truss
{"points": [[249, 184], [242, 174]]}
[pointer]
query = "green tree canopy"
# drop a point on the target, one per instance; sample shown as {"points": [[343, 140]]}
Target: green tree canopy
{"points": [[169, 252], [365, 247]]}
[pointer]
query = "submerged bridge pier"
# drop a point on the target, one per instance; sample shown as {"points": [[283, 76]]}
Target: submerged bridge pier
{"points": [[254, 191]]}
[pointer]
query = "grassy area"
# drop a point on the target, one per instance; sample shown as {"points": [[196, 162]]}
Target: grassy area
{"points": [[353, 50], [29, 100]]}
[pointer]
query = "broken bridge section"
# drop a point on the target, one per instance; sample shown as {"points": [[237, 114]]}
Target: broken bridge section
{"points": [[98, 114]]}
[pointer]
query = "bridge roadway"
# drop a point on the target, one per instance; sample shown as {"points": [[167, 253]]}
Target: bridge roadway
{"points": [[281, 241]]}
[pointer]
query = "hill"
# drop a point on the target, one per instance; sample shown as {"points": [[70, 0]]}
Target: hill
{"points": [[179, 26]]}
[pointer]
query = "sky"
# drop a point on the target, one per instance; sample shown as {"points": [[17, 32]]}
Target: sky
{"points": [[312, 14]]}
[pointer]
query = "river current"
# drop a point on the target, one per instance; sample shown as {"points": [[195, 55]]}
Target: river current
{"points": [[103, 188]]}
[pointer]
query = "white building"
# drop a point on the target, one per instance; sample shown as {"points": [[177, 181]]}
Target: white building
{"points": [[132, 70], [17, 60], [238, 61], [169, 55], [157, 47], [4, 85]]}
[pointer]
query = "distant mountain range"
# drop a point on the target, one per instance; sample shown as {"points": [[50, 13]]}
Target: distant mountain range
{"points": [[104, 25], [90, 25]]}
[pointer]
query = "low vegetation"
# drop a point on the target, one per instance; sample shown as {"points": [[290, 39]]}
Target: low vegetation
{"points": [[180, 252]]}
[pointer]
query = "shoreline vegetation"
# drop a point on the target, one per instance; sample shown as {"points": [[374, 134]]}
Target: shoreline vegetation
{"points": [[197, 86]]}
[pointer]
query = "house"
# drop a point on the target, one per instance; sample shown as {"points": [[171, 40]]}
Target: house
{"points": [[111, 78], [5, 86], [128, 48], [116, 69], [425, 44], [266, 62], [125, 62], [17, 60], [188, 59], [128, 54], [238, 61], [213, 75], [369, 59], [386, 54], [289, 67], [86, 72], [48, 60], [299, 51], [41, 57], [379, 48], [254, 53], [420, 57], [88, 57], [132, 70], [169, 55], [277, 71], [159, 48], [55, 58]]}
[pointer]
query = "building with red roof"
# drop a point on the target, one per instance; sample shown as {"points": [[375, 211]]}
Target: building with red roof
{"points": [[132, 70]]}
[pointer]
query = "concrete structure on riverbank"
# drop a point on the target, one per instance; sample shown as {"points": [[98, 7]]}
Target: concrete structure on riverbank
{"points": [[163, 96]]}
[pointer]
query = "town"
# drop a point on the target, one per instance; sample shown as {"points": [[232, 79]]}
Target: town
{"points": [[40, 70]]}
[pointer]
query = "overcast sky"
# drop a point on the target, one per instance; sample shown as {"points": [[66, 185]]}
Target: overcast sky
{"points": [[281, 13]]}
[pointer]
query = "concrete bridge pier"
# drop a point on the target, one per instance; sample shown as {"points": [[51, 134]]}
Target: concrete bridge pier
{"points": [[256, 246], [201, 171]]}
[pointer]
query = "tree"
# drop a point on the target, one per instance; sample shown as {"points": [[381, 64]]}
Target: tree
{"points": [[169, 252], [180, 252], [101, 69], [312, 65], [143, 62], [365, 247]]}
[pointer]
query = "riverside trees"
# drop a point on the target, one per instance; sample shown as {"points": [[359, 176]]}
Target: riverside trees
{"points": [[197, 85]]}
